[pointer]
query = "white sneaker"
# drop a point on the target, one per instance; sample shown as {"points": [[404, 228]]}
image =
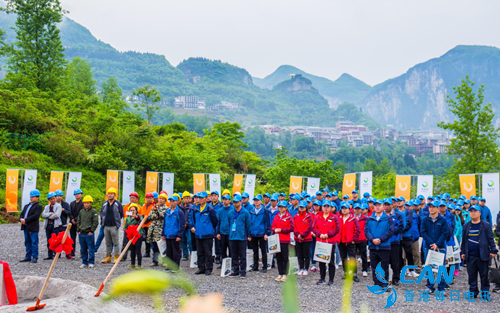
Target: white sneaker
{"points": [[299, 273], [365, 274], [91, 266], [278, 278], [413, 273], [305, 273], [313, 268], [336, 267], [83, 266], [283, 278]]}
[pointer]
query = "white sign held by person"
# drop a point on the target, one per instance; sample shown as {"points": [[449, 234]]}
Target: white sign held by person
{"points": [[128, 186], [490, 193], [365, 183], [214, 183], [74, 183], [425, 185], [250, 185], [313, 185], [28, 185], [168, 183]]}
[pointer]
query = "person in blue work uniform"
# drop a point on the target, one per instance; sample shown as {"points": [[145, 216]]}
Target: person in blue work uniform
{"points": [[435, 231], [398, 222], [260, 229], [267, 200], [223, 226], [203, 222], [379, 229], [245, 201], [485, 211], [355, 197], [240, 223], [185, 206], [173, 230], [216, 204], [335, 198], [294, 207], [406, 242]]}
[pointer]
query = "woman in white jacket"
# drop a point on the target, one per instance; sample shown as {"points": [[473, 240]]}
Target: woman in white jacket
{"points": [[52, 216]]}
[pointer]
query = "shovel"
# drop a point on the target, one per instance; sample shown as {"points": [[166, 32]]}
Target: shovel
{"points": [[39, 306]]}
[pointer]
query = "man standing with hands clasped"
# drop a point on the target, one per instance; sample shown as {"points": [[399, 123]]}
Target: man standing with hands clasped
{"points": [[478, 245]]}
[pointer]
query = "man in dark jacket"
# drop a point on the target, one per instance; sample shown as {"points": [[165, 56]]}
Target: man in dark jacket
{"points": [[75, 207], [435, 231], [185, 206], [399, 224], [203, 224], [478, 245], [31, 226]]}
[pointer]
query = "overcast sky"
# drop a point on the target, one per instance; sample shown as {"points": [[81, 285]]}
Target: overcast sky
{"points": [[373, 40]]}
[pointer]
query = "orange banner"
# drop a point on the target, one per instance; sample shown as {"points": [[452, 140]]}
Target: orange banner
{"points": [[112, 181], [199, 183], [295, 184], [11, 190], [349, 184], [468, 185], [151, 181], [237, 183], [403, 186], [56, 181]]}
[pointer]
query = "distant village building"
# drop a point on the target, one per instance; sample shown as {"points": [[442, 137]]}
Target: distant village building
{"points": [[225, 106], [189, 102]]}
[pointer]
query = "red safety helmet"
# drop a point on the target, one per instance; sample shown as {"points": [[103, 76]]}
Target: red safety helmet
{"points": [[163, 192], [149, 195], [134, 194]]}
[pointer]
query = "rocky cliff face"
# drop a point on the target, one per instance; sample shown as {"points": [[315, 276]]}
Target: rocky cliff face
{"points": [[417, 99]]}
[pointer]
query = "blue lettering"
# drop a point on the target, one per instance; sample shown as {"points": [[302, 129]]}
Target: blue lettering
{"points": [[448, 277], [403, 272], [426, 274]]}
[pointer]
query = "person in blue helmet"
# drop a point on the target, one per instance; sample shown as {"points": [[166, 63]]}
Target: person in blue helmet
{"points": [[282, 196], [413, 209], [240, 223], [223, 226], [355, 197], [294, 207], [335, 198], [473, 200], [75, 207], [406, 242], [316, 210], [367, 195], [66, 216], [203, 223], [395, 240], [52, 216], [173, 230], [325, 191], [30, 225], [319, 196], [485, 211], [216, 204], [245, 201], [260, 229], [266, 198], [379, 229], [435, 232]]}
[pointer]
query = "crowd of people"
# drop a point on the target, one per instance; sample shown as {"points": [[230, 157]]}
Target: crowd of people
{"points": [[392, 232]]}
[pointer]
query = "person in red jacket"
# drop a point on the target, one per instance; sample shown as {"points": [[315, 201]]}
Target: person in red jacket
{"points": [[361, 243], [326, 227], [303, 225], [282, 225], [349, 233]]}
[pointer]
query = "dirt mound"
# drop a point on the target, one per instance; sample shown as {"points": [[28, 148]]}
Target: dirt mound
{"points": [[10, 218], [60, 296]]}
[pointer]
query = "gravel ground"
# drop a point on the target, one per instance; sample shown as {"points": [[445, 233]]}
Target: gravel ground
{"points": [[258, 293]]}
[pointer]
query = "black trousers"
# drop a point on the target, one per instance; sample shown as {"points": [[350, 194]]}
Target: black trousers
{"points": [[477, 266], [282, 259], [135, 252], [148, 244], [48, 232], [204, 252], [224, 246], [124, 244], [348, 249], [303, 250], [174, 251], [406, 247], [376, 257], [72, 234], [238, 256], [361, 247], [394, 261], [331, 267], [256, 242], [217, 248]]}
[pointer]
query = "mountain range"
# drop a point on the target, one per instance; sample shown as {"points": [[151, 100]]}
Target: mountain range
{"points": [[413, 100]]}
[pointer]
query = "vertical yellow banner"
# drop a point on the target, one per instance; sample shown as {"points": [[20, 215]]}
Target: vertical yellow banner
{"points": [[152, 182], [56, 181], [199, 183], [11, 190], [468, 185], [238, 181], [112, 181], [349, 184], [403, 186], [295, 184]]}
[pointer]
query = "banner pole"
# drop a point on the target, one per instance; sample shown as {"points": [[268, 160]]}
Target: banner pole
{"points": [[22, 190]]}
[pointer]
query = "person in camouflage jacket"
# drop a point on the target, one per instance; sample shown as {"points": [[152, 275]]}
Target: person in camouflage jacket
{"points": [[156, 217]]}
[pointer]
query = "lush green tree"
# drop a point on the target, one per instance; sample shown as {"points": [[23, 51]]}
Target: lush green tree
{"points": [[112, 95], [79, 78], [148, 98], [475, 136], [38, 57]]}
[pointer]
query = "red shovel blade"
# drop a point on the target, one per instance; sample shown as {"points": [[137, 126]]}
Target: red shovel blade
{"points": [[36, 307]]}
